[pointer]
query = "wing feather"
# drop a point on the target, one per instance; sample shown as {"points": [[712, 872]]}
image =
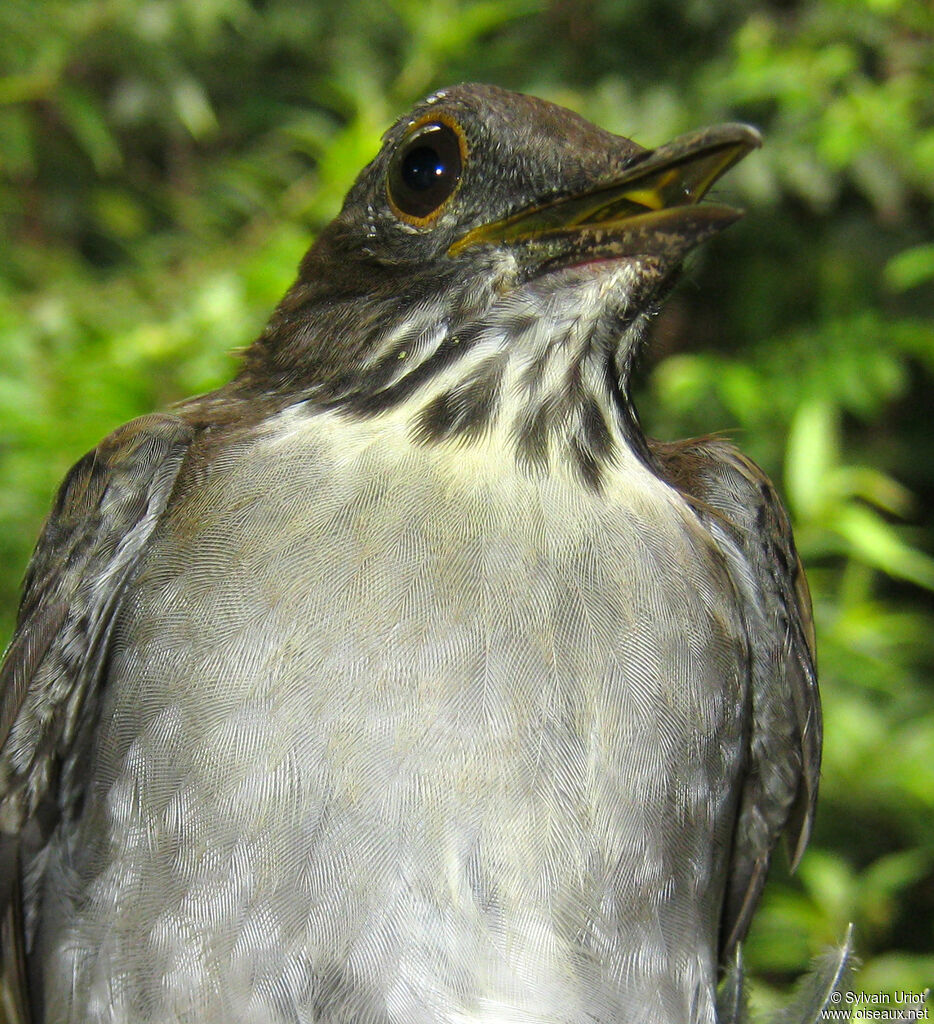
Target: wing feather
{"points": [[738, 502], [102, 518]]}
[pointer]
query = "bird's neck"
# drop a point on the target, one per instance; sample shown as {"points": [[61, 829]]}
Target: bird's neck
{"points": [[542, 372], [533, 376]]}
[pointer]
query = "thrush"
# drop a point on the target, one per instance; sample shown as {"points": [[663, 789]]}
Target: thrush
{"points": [[403, 678]]}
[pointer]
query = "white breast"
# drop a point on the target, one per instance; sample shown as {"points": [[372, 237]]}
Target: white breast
{"points": [[401, 733]]}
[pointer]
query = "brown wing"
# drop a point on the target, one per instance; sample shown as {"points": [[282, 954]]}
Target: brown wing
{"points": [[779, 793], [102, 518]]}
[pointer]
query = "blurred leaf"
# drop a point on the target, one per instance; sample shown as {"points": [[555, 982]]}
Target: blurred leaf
{"points": [[82, 114], [876, 542], [194, 107], [811, 453], [910, 268]]}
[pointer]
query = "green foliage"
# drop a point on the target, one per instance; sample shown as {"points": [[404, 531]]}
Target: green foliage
{"points": [[164, 163]]}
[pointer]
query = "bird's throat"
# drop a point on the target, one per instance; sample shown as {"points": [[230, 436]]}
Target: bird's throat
{"points": [[543, 376], [537, 368]]}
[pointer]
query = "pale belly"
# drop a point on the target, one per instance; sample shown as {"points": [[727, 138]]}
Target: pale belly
{"points": [[391, 738]]}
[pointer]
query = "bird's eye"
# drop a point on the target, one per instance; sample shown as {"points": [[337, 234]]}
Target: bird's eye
{"points": [[425, 171]]}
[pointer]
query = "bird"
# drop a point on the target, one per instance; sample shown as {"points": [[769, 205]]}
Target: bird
{"points": [[404, 678]]}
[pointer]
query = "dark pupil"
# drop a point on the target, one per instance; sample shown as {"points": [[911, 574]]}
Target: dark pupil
{"points": [[422, 168], [425, 171]]}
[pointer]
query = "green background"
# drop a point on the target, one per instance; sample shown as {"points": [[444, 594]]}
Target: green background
{"points": [[164, 164]]}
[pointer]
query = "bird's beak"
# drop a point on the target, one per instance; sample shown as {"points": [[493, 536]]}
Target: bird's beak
{"points": [[650, 209]]}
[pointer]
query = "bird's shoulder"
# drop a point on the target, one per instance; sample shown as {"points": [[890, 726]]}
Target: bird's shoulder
{"points": [[740, 505], [101, 519], [102, 516]]}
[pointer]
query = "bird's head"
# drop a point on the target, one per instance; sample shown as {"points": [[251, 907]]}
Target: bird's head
{"points": [[491, 215]]}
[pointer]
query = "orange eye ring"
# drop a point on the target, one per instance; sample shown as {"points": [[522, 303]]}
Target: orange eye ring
{"points": [[425, 171]]}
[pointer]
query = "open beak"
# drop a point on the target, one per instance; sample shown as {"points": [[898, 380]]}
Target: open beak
{"points": [[650, 209]]}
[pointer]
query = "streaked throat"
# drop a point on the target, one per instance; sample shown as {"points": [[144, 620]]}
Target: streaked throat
{"points": [[539, 374]]}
